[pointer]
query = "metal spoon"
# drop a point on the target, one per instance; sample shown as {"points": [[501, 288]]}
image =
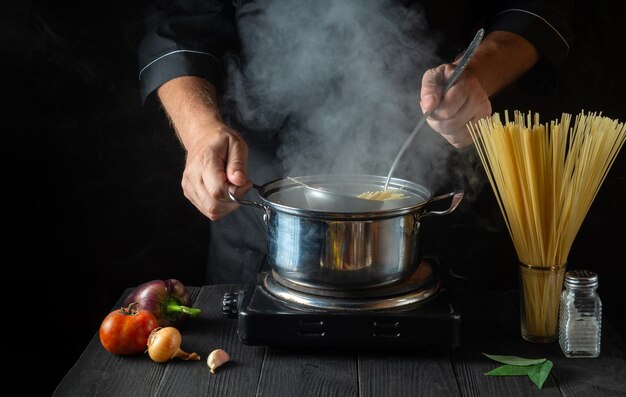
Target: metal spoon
{"points": [[469, 53]]}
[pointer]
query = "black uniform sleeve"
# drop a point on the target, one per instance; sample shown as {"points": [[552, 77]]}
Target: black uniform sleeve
{"points": [[185, 38], [545, 24]]}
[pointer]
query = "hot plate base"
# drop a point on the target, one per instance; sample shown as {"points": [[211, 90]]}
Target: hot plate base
{"points": [[264, 320]]}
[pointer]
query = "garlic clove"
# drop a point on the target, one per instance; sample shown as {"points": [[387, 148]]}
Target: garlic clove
{"points": [[217, 358]]}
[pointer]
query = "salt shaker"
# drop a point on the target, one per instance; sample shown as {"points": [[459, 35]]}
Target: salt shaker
{"points": [[580, 316]]}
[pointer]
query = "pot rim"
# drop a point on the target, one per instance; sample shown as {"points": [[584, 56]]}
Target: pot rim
{"points": [[376, 181]]}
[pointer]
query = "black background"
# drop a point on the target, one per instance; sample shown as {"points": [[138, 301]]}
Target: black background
{"points": [[92, 178]]}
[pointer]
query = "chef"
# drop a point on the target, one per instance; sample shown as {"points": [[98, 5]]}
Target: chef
{"points": [[241, 80]]}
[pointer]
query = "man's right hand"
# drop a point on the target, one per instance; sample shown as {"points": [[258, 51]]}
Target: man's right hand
{"points": [[216, 154], [216, 162]]}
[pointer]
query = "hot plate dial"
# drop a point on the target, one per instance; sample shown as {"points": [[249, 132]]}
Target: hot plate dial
{"points": [[230, 304]]}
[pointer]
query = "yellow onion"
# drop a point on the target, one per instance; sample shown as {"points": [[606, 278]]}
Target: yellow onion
{"points": [[164, 345]]}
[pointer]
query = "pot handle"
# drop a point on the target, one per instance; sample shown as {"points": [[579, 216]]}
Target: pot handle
{"points": [[232, 197], [456, 200]]}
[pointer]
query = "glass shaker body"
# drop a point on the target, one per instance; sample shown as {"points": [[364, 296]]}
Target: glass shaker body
{"points": [[580, 315]]}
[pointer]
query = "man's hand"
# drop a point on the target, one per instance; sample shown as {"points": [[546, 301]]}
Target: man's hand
{"points": [[465, 101], [501, 59], [216, 154], [216, 162]]}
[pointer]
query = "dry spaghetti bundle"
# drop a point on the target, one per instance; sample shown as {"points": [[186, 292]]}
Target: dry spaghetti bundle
{"points": [[545, 177]]}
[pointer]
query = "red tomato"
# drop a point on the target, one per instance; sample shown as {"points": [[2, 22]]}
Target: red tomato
{"points": [[126, 331]]}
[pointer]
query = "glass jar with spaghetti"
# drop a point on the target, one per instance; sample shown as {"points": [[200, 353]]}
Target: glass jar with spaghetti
{"points": [[540, 296]]}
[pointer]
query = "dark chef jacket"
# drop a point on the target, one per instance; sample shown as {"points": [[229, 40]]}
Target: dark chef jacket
{"points": [[191, 38]]}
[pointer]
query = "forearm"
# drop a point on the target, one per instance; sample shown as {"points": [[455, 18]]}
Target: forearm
{"points": [[502, 58], [191, 105]]}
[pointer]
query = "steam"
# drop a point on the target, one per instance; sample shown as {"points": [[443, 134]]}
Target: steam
{"points": [[340, 79]]}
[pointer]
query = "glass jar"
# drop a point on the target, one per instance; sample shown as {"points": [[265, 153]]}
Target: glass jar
{"points": [[580, 315], [540, 298]]}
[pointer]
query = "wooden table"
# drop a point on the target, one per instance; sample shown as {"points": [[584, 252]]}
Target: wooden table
{"points": [[490, 324]]}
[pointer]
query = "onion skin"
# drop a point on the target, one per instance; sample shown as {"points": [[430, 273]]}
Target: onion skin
{"points": [[168, 300], [164, 345]]}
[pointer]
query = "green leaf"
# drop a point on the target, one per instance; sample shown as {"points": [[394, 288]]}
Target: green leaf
{"points": [[537, 369], [514, 360], [509, 370], [539, 373]]}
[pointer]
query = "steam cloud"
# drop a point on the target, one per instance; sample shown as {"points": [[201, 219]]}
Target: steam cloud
{"points": [[341, 79]]}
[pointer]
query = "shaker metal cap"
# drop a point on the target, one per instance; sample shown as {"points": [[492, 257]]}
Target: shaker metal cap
{"points": [[581, 279]]}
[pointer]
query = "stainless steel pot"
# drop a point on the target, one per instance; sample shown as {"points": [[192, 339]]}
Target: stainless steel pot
{"points": [[339, 250]]}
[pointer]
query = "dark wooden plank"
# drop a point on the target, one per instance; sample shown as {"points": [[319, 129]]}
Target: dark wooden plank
{"points": [[308, 372], [98, 372], [601, 376], [212, 331], [491, 324], [409, 373]]}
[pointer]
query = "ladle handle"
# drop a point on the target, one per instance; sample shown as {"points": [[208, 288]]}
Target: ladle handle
{"points": [[467, 56]]}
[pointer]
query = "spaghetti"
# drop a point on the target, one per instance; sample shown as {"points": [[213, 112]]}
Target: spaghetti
{"points": [[546, 177], [383, 195]]}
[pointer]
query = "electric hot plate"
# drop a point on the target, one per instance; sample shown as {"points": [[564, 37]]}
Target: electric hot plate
{"points": [[415, 312]]}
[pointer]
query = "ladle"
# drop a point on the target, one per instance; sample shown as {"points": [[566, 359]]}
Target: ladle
{"points": [[327, 200]]}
